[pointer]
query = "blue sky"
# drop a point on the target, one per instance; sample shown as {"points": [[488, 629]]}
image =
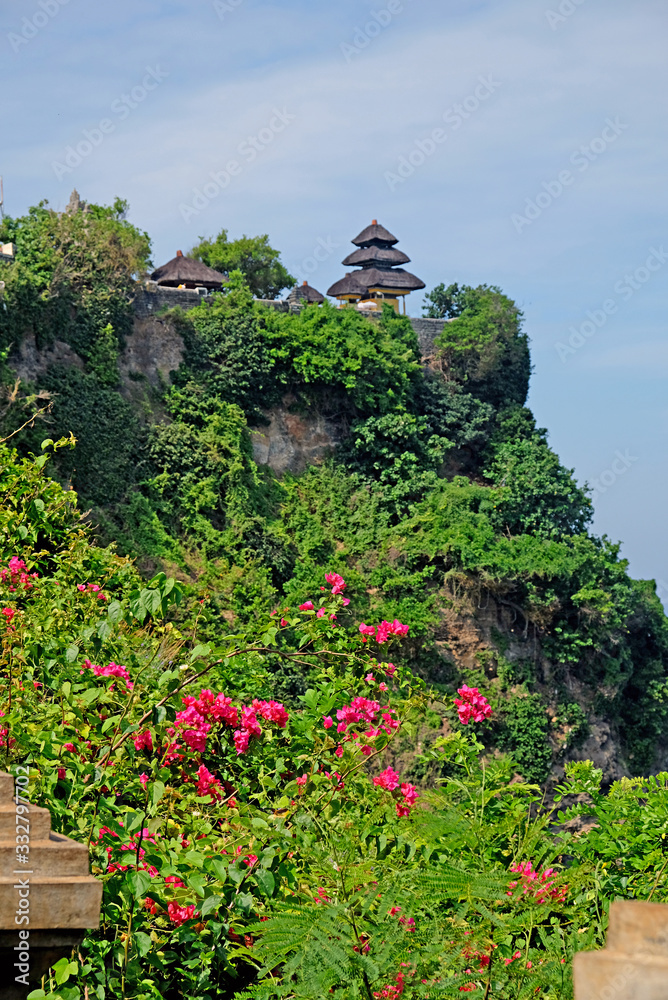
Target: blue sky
{"points": [[543, 175]]}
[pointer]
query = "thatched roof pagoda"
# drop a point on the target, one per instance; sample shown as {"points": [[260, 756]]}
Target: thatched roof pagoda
{"points": [[184, 272], [380, 278], [305, 293]]}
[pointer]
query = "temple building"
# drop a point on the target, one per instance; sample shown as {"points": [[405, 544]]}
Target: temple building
{"points": [[306, 294], [380, 278], [184, 272]]}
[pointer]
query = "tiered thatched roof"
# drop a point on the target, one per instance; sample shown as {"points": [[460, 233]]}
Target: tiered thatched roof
{"points": [[379, 275]]}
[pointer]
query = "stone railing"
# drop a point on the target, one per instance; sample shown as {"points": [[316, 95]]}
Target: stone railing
{"points": [[634, 963], [46, 900]]}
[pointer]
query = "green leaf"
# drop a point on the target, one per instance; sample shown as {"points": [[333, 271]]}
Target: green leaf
{"points": [[200, 652], [139, 883], [157, 792], [210, 904], [266, 881], [71, 653], [143, 943]]}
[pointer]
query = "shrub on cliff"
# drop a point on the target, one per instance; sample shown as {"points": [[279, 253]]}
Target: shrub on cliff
{"points": [[243, 845]]}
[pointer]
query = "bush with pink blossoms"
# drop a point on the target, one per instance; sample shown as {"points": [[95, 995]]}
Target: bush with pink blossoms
{"points": [[472, 706]]}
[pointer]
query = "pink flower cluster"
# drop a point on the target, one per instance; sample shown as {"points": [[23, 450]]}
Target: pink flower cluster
{"points": [[407, 794], [194, 723], [538, 884], [337, 583], [179, 914], [129, 848], [6, 740], [92, 588], [382, 632], [364, 713], [207, 784], [392, 991], [472, 705], [17, 575], [9, 615], [144, 741], [111, 670]]}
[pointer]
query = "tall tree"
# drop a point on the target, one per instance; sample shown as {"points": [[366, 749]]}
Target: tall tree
{"points": [[252, 255]]}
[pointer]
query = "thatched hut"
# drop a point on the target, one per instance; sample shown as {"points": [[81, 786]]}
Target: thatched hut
{"points": [[184, 272]]}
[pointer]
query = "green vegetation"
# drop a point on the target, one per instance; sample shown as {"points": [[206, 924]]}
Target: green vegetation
{"points": [[443, 507], [251, 850], [252, 255]]}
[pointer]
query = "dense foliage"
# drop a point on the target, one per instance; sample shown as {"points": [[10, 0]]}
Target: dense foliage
{"points": [[283, 796], [256, 849], [259, 263]]}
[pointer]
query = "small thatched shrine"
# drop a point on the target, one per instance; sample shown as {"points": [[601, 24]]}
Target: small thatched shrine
{"points": [[380, 278], [184, 272], [306, 294]]}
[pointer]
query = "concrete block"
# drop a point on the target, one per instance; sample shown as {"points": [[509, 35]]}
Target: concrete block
{"points": [[608, 975]]}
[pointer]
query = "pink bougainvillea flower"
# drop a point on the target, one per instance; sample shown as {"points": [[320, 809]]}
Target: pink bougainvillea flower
{"points": [[272, 711], [472, 705], [409, 796], [337, 582], [307, 606], [388, 779], [111, 670], [61, 774], [241, 740], [69, 747], [540, 885], [143, 780], [284, 623], [339, 751], [367, 629], [327, 721], [321, 613], [179, 914], [175, 881], [207, 784], [144, 741]]}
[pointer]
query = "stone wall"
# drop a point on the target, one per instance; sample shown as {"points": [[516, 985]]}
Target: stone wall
{"points": [[287, 443]]}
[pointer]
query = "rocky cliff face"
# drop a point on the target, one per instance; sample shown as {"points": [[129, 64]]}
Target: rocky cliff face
{"points": [[292, 441]]}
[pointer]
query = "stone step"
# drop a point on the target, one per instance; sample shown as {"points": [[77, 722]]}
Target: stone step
{"points": [[619, 976], [6, 788], [37, 820], [639, 928], [56, 856], [66, 903]]}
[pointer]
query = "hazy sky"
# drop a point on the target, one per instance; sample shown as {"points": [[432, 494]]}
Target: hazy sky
{"points": [[513, 143]]}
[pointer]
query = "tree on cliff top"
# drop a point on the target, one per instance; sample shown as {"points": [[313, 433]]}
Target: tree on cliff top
{"points": [[483, 346], [252, 255]]}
